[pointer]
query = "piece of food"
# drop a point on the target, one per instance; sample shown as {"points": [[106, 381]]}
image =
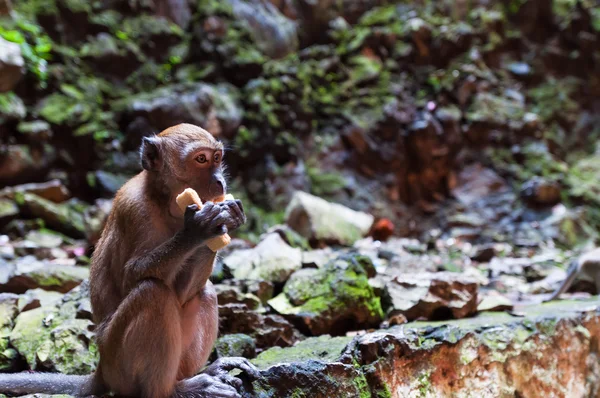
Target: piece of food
{"points": [[188, 197]]}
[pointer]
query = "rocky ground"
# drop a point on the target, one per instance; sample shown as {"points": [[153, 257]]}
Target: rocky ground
{"points": [[417, 176]]}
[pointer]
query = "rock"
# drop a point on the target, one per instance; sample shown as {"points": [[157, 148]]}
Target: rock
{"points": [[12, 65], [540, 192], [271, 260], [8, 312], [108, 182], [35, 298], [177, 11], [584, 179], [318, 258], [261, 289], [12, 108], [232, 294], [273, 34], [52, 190], [330, 300], [322, 221], [235, 345], [52, 338], [29, 273], [494, 301], [214, 108], [266, 330], [316, 361], [483, 253], [95, 217], [8, 211], [382, 230], [433, 296], [21, 163], [290, 236], [65, 217], [489, 355], [476, 182], [44, 239]]}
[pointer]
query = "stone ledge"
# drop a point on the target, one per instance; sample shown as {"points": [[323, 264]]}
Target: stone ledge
{"points": [[552, 350]]}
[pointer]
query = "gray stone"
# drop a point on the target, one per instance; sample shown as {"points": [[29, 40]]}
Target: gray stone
{"points": [[322, 221]]}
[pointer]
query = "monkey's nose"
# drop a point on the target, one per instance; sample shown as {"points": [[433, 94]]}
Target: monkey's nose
{"points": [[216, 188]]}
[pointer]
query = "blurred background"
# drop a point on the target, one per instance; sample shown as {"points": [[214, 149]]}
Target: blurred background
{"points": [[466, 132]]}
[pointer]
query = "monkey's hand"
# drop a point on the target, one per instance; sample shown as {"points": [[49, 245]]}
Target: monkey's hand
{"points": [[221, 367], [232, 214], [216, 381], [204, 224]]}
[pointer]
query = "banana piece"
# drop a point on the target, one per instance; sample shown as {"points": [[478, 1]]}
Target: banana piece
{"points": [[188, 197]]}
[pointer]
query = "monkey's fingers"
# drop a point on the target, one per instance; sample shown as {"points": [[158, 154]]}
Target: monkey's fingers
{"points": [[236, 209], [231, 380], [231, 363], [191, 210]]}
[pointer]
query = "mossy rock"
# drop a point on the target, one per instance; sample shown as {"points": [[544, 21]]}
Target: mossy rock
{"points": [[235, 345], [322, 348], [52, 338], [333, 299], [64, 217], [8, 312]]}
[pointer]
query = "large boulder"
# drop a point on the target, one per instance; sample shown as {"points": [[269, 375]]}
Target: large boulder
{"points": [[333, 299], [435, 296], [321, 221], [29, 273], [549, 351], [55, 338], [273, 33], [271, 260]]}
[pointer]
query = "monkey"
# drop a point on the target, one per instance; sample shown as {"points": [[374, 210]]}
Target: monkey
{"points": [[586, 267], [153, 305]]}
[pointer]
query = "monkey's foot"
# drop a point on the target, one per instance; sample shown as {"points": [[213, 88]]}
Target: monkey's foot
{"points": [[216, 381], [222, 366]]}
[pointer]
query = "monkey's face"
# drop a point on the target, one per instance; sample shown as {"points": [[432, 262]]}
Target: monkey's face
{"points": [[205, 171], [186, 156]]}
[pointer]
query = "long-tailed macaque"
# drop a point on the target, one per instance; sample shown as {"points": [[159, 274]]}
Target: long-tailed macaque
{"points": [[586, 267], [154, 308]]}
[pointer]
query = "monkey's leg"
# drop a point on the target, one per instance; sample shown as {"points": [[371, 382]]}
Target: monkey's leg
{"points": [[140, 347], [199, 328]]}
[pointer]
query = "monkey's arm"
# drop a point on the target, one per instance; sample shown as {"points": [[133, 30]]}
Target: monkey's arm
{"points": [[163, 262]]}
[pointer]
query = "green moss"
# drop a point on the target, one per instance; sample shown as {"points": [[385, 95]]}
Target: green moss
{"points": [[584, 179], [11, 107], [424, 383], [323, 348], [36, 46], [362, 386], [552, 99], [339, 289]]}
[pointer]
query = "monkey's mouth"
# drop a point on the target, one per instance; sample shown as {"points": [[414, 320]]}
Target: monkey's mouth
{"points": [[214, 199]]}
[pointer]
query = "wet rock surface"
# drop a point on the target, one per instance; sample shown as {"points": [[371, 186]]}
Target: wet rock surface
{"points": [[443, 358]]}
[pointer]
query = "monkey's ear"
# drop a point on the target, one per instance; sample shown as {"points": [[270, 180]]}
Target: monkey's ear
{"points": [[150, 153]]}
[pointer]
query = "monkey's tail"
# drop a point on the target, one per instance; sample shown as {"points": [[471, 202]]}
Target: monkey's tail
{"points": [[16, 384], [566, 284]]}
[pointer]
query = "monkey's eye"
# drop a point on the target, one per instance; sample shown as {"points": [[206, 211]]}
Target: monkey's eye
{"points": [[217, 157], [201, 158]]}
